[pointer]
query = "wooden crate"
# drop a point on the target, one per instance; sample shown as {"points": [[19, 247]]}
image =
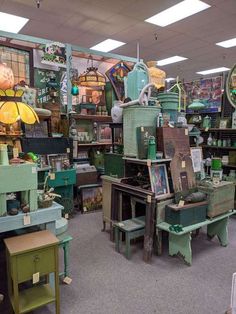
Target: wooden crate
{"points": [[134, 117], [170, 140], [220, 198]]}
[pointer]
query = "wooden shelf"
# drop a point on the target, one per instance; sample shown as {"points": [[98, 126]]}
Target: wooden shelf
{"points": [[27, 298], [218, 147], [91, 117], [94, 144], [218, 130], [11, 135], [229, 166], [145, 161]]}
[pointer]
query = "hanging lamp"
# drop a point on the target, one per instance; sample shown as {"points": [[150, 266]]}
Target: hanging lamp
{"points": [[13, 109], [91, 77]]}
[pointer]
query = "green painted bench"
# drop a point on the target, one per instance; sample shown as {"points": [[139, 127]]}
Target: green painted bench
{"points": [[180, 243], [133, 228]]}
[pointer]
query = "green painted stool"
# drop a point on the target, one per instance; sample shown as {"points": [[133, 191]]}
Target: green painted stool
{"points": [[133, 228], [61, 227]]}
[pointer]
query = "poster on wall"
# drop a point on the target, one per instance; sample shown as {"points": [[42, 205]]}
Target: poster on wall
{"points": [[208, 91], [41, 78], [54, 54]]}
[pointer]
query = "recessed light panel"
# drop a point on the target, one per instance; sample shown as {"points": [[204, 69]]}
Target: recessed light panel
{"points": [[227, 43], [178, 12], [108, 45], [170, 60], [169, 79], [216, 70], [12, 23]]}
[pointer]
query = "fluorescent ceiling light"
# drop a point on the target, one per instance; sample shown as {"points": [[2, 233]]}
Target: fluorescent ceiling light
{"points": [[216, 70], [178, 12], [170, 60], [108, 45], [169, 79], [227, 43], [11, 23]]}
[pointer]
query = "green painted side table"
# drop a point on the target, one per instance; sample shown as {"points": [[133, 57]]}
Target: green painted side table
{"points": [[29, 257], [180, 243]]}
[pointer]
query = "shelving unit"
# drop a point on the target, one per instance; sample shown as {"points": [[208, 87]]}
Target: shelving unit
{"points": [[95, 118], [219, 147]]}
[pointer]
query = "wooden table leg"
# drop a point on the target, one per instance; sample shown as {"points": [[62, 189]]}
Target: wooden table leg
{"points": [[149, 231], [219, 229], [117, 239], [158, 242], [181, 245], [127, 245]]}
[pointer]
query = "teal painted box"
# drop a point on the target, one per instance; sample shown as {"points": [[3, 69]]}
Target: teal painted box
{"points": [[114, 165], [186, 215], [63, 178]]}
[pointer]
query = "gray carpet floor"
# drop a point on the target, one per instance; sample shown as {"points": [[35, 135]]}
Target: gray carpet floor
{"points": [[105, 282]]}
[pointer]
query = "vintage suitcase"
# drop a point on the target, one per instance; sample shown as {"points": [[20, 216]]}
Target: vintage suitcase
{"points": [[220, 198], [143, 134], [86, 175], [134, 117], [170, 140], [186, 215], [114, 165]]}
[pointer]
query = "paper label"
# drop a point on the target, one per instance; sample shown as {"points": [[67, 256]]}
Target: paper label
{"points": [[85, 209], [67, 280], [149, 162], [52, 176], [67, 216], [183, 164], [35, 278], [34, 170], [68, 150], [149, 198], [15, 152], [142, 129], [206, 129], [186, 131], [27, 220], [181, 203]]}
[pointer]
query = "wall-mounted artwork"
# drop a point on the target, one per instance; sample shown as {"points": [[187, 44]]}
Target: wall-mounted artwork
{"points": [[116, 76], [208, 91], [159, 180], [54, 54]]}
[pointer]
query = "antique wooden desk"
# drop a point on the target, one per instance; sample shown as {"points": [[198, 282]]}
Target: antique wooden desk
{"points": [[29, 257], [142, 196], [47, 216], [180, 243]]}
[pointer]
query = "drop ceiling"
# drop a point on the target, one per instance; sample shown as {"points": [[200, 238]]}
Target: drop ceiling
{"points": [[88, 22]]}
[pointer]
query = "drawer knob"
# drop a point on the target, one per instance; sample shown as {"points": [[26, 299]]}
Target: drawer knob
{"points": [[36, 258]]}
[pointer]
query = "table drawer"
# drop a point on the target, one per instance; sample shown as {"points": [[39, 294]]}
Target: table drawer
{"points": [[42, 261], [63, 178]]}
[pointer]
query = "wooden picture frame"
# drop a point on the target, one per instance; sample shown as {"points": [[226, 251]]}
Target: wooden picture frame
{"points": [[223, 123], [197, 157], [159, 180], [104, 135]]}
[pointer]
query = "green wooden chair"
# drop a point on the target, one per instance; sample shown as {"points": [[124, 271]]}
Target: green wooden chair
{"points": [[133, 228]]}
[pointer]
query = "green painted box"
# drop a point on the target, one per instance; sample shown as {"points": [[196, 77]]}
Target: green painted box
{"points": [[220, 198], [114, 165], [63, 178], [186, 215]]}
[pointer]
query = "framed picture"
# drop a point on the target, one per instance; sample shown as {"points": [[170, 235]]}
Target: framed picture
{"points": [[159, 180], [91, 199], [196, 155], [56, 161], [223, 123], [104, 133]]}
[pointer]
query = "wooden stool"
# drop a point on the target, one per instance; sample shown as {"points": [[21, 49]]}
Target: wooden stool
{"points": [[133, 228]]}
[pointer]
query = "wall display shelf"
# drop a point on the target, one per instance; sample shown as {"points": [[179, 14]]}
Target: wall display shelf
{"points": [[95, 118], [93, 144], [219, 147], [217, 130]]}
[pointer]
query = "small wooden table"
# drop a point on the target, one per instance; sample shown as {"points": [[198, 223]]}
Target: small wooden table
{"points": [[180, 242], [29, 257]]}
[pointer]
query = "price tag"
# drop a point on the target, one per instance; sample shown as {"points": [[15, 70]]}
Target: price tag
{"points": [[149, 162], [142, 129], [183, 164], [52, 176], [149, 198], [85, 209], [67, 280], [34, 170], [68, 150], [181, 203], [67, 216], [206, 129], [27, 220], [15, 152], [35, 278], [186, 131]]}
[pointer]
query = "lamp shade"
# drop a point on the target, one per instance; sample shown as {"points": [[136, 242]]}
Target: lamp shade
{"points": [[13, 109], [92, 78], [196, 105]]}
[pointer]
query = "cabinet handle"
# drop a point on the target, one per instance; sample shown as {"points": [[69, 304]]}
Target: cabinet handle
{"points": [[36, 258]]}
